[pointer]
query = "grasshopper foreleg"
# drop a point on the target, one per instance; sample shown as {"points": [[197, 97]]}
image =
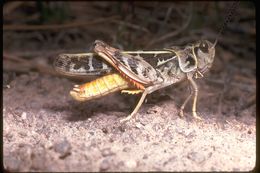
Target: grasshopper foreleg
{"points": [[194, 92]]}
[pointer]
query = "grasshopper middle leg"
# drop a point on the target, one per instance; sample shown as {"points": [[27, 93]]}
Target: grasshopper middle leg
{"points": [[133, 114], [184, 103], [148, 90]]}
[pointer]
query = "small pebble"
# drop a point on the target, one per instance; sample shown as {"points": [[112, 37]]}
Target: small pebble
{"points": [[145, 156], [63, 148], [139, 125], [47, 144], [11, 163], [23, 133], [156, 127], [104, 165], [196, 157], [127, 149], [131, 164], [170, 160], [24, 115], [122, 128], [107, 152], [104, 130], [154, 109], [38, 160]]}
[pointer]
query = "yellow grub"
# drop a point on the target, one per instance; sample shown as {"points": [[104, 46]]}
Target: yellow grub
{"points": [[99, 87]]}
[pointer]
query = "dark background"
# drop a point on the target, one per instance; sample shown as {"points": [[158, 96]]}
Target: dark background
{"points": [[129, 25]]}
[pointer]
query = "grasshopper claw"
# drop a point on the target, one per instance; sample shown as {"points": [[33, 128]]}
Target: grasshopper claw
{"points": [[194, 114], [181, 113], [128, 118], [125, 119]]}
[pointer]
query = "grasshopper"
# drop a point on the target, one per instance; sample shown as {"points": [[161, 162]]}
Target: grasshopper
{"points": [[134, 74]]}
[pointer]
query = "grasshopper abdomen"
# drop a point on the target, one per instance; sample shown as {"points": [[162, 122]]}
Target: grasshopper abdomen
{"points": [[99, 87]]}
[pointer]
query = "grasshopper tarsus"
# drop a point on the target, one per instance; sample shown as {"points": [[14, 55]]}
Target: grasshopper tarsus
{"points": [[181, 114], [127, 119], [195, 115]]}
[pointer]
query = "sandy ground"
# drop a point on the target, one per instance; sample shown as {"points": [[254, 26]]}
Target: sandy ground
{"points": [[44, 129]]}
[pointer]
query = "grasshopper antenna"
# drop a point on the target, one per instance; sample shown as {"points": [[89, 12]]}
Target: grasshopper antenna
{"points": [[228, 18]]}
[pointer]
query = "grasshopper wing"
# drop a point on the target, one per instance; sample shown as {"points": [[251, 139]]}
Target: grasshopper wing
{"points": [[85, 64], [133, 67]]}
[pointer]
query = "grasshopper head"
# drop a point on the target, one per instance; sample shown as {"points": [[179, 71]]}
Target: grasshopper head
{"points": [[204, 52], [196, 57]]}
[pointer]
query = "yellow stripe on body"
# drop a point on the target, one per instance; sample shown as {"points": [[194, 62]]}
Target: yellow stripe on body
{"points": [[99, 87]]}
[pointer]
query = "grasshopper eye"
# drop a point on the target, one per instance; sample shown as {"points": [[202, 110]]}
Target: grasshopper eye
{"points": [[204, 47]]}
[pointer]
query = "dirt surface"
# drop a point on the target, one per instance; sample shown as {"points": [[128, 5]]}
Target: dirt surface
{"points": [[44, 129]]}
